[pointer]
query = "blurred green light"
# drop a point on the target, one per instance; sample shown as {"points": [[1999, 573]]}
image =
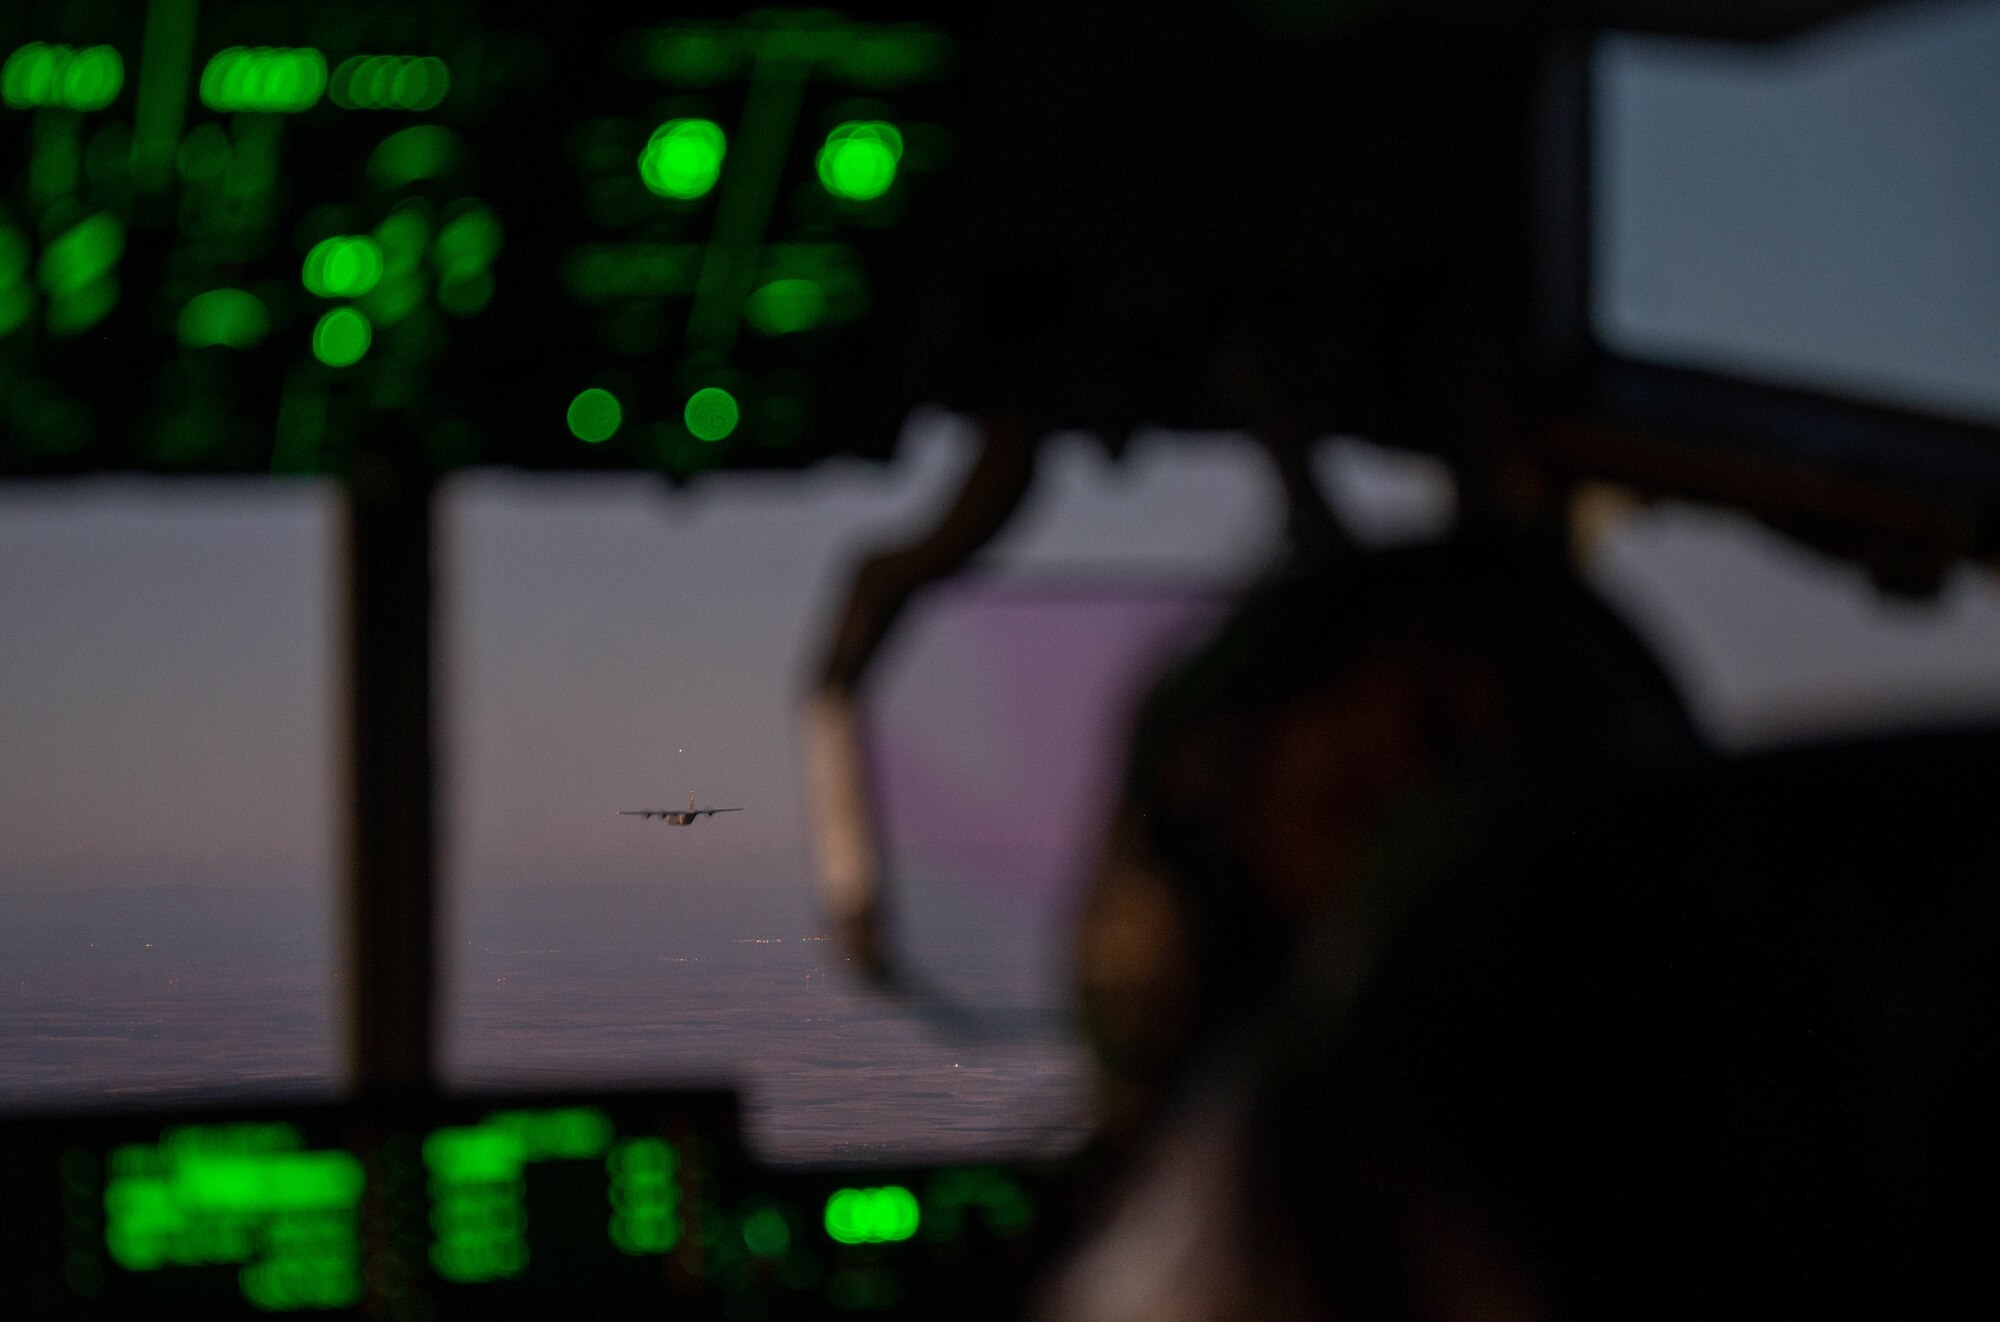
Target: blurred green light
{"points": [[392, 301], [249, 1182], [474, 1155], [45, 74], [246, 1194], [872, 1216], [645, 1200], [859, 159], [93, 78], [272, 79], [766, 1234], [403, 234], [389, 82], [711, 413], [566, 1132], [595, 415], [283, 1286], [81, 254], [477, 1209], [638, 1236], [422, 152], [28, 79], [479, 1259], [467, 243], [76, 272], [76, 313], [784, 306], [683, 158], [342, 337], [644, 1157], [230, 318], [344, 266]]}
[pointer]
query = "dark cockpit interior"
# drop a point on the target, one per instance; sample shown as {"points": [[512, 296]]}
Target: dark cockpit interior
{"points": [[1351, 648]]}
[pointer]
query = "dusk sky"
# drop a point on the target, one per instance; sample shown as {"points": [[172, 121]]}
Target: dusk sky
{"points": [[167, 659], [1823, 213]]}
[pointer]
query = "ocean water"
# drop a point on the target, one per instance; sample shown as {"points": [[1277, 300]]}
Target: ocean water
{"points": [[120, 996]]}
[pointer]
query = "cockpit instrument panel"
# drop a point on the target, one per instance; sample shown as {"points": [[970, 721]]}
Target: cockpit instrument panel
{"points": [[234, 236], [633, 1203]]}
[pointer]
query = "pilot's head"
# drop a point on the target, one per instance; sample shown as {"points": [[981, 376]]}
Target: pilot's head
{"points": [[1345, 735]]}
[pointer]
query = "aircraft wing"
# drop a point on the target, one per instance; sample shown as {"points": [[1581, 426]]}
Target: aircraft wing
{"points": [[647, 812], [715, 810]]}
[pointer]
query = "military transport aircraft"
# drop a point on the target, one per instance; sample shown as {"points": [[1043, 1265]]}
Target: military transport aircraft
{"points": [[675, 816]]}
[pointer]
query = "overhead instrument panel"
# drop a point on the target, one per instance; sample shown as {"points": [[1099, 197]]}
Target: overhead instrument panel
{"points": [[236, 236]]}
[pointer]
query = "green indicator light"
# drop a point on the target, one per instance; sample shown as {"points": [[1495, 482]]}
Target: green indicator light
{"points": [[766, 1234], [403, 235], [42, 74], [28, 79], [244, 1195], [466, 244], [872, 1216], [423, 152], [640, 1156], [595, 416], [577, 1131], [784, 306], [83, 309], [81, 255], [711, 413], [683, 158], [76, 271], [287, 1181], [394, 299], [282, 1286], [344, 266], [342, 337], [389, 82], [479, 1260], [93, 78], [645, 1199], [477, 1208], [859, 159], [474, 1155], [273, 79]]}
